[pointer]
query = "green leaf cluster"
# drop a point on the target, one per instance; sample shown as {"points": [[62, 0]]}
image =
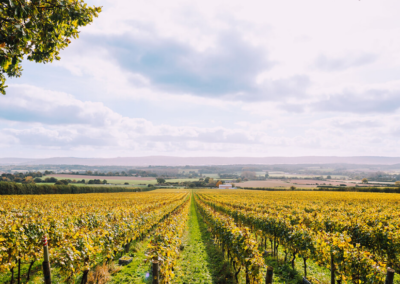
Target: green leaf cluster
{"points": [[38, 29]]}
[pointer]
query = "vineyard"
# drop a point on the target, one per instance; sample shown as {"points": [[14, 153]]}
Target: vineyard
{"points": [[220, 236]]}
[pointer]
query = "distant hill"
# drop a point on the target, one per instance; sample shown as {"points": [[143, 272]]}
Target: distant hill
{"points": [[14, 161], [201, 161]]}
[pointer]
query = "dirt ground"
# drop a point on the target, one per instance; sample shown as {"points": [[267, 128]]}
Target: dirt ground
{"points": [[271, 183]]}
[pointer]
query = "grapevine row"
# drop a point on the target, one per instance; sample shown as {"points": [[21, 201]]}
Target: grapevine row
{"points": [[165, 244], [372, 225], [352, 262], [239, 243], [79, 228]]}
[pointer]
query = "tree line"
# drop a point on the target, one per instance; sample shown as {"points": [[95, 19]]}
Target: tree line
{"points": [[37, 177], [202, 182], [136, 173], [12, 188]]}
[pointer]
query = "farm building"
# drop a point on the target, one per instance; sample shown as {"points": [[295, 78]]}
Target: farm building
{"points": [[225, 186]]}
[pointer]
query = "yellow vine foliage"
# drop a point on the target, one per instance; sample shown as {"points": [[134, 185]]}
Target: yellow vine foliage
{"points": [[359, 230], [79, 227]]}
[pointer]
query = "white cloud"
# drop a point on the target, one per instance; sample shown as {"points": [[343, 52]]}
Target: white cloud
{"points": [[94, 129], [272, 77]]}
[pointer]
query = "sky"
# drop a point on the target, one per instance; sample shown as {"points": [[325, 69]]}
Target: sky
{"points": [[215, 78]]}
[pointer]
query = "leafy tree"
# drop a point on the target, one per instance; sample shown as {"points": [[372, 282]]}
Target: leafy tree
{"points": [[38, 179], [397, 183], [94, 181], [28, 179], [364, 180], [51, 179], [62, 182], [160, 180], [38, 29], [207, 179], [328, 177]]}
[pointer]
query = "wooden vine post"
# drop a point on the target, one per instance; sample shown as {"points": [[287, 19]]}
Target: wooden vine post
{"points": [[270, 274], [46, 262], [156, 278], [332, 269], [389, 276], [127, 247]]}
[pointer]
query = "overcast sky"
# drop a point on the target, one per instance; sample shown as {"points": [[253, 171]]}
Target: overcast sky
{"points": [[215, 78]]}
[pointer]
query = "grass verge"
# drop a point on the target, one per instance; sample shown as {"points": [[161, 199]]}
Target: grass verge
{"points": [[138, 271], [201, 261]]}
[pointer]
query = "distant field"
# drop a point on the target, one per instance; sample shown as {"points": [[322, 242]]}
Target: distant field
{"points": [[80, 177], [214, 176], [120, 180], [304, 176], [372, 183], [301, 183], [271, 183], [85, 184]]}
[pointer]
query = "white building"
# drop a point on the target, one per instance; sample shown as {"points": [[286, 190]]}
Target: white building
{"points": [[225, 186]]}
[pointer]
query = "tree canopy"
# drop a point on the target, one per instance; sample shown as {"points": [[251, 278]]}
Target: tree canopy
{"points": [[160, 180], [38, 29]]}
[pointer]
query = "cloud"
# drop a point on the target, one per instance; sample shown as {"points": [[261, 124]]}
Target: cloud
{"points": [[325, 63], [61, 137], [43, 118], [230, 66], [293, 108], [351, 124], [227, 69], [215, 76], [95, 130], [370, 101], [32, 104]]}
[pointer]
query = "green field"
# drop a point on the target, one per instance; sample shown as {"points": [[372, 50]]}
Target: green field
{"points": [[122, 182], [85, 184], [302, 176], [214, 176]]}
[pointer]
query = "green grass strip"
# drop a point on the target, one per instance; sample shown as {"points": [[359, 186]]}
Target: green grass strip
{"points": [[201, 261], [138, 271]]}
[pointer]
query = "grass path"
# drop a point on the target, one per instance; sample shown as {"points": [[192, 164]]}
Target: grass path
{"points": [[200, 261], [138, 270]]}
